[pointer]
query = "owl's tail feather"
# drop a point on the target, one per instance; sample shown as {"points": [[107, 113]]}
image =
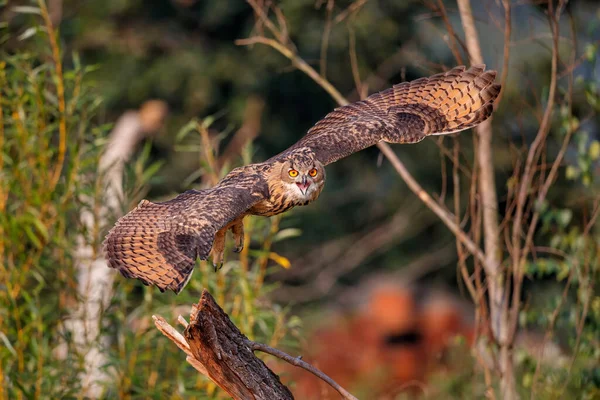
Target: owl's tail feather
{"points": [[142, 245]]}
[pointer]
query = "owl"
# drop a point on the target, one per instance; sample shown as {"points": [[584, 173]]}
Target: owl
{"points": [[158, 243]]}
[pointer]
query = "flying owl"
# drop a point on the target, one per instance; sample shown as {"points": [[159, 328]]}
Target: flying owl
{"points": [[158, 243]]}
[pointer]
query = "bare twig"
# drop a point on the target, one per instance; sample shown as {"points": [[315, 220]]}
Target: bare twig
{"points": [[497, 289], [519, 253], [452, 35], [297, 361], [507, 34], [537, 143], [352, 8], [325, 38]]}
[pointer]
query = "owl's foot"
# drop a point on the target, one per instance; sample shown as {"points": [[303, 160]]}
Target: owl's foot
{"points": [[217, 260], [218, 249], [238, 235], [217, 266]]}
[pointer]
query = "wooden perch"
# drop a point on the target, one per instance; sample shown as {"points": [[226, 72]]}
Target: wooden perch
{"points": [[227, 356], [217, 349]]}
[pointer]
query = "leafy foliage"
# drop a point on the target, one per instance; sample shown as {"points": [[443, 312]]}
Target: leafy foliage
{"points": [[39, 228], [44, 174]]}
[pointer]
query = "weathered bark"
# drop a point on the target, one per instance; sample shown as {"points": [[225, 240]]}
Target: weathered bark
{"points": [[226, 355], [218, 350]]}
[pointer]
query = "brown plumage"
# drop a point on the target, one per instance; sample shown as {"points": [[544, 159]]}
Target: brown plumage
{"points": [[158, 243]]}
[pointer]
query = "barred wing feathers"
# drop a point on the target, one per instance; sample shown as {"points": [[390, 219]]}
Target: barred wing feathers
{"points": [[158, 243], [406, 113]]}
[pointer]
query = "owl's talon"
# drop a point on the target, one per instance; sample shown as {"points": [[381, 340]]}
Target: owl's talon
{"points": [[238, 236], [217, 266]]}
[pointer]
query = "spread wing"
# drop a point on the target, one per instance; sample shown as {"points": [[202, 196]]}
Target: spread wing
{"points": [[158, 243], [406, 113]]}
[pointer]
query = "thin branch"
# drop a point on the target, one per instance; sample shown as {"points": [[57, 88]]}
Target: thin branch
{"points": [[297, 361], [325, 38], [519, 253], [446, 217], [298, 63], [353, 8], [507, 33], [452, 35], [539, 139], [60, 94]]}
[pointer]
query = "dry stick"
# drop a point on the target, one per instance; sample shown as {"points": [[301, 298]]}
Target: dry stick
{"points": [[507, 33], [533, 150], [487, 189], [352, 8], [459, 249], [443, 214], [325, 38], [446, 217], [520, 253], [452, 36], [497, 290], [297, 361], [482, 350]]}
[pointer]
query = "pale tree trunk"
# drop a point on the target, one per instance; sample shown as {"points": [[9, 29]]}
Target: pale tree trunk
{"points": [[95, 279], [499, 321]]}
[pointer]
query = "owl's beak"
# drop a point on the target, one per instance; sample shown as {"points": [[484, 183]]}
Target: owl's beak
{"points": [[303, 185]]}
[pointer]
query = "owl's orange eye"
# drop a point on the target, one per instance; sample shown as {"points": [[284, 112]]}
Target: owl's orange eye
{"points": [[313, 172], [293, 173]]}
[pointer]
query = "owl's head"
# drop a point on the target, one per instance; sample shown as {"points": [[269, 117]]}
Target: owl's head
{"points": [[302, 175]]}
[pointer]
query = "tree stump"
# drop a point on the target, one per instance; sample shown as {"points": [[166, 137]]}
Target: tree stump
{"points": [[227, 356]]}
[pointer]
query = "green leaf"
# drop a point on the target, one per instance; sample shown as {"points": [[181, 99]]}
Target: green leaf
{"points": [[185, 130], [594, 150], [590, 51], [564, 217], [572, 172], [41, 228], [31, 235], [287, 234], [150, 171], [27, 10], [587, 180], [29, 32]]}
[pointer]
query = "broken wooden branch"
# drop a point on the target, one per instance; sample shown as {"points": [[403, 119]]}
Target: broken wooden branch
{"points": [[217, 349]]}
